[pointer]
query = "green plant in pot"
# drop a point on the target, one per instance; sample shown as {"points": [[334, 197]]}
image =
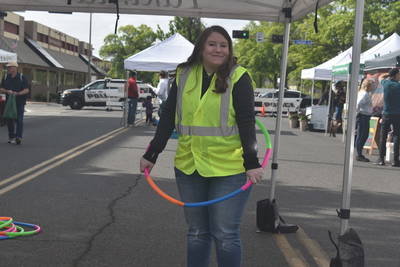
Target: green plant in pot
{"points": [[293, 120], [303, 119]]}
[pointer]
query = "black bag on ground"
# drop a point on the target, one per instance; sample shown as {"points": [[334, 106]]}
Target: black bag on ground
{"points": [[349, 250], [269, 220]]}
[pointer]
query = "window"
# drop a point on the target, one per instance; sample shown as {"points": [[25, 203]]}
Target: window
{"points": [[98, 85], [53, 79], [42, 38], [115, 85], [11, 27], [55, 42], [291, 94], [69, 79], [41, 77]]}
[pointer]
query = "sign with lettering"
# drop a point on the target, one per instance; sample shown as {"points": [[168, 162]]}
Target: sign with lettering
{"points": [[372, 142]]}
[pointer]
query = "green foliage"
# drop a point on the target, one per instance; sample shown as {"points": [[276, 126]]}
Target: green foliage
{"points": [[261, 59], [128, 41], [190, 28]]}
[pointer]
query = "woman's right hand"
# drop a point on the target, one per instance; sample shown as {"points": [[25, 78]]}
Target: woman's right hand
{"points": [[145, 164]]}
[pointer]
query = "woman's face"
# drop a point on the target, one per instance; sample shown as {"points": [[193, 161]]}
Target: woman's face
{"points": [[215, 51]]}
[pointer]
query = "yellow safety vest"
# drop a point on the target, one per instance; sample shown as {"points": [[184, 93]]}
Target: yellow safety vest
{"points": [[209, 139]]}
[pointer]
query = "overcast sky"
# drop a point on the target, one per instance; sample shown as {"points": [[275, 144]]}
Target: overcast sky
{"points": [[77, 24]]}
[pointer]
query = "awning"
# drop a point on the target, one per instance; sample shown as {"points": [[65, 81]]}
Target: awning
{"points": [[6, 56], [270, 10]]}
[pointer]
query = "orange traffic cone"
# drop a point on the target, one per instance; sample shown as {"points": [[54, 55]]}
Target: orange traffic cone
{"points": [[262, 110]]}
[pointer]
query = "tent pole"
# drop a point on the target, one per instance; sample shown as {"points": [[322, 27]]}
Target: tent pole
{"points": [[329, 108], [282, 86], [344, 127], [125, 108], [349, 150], [312, 92]]}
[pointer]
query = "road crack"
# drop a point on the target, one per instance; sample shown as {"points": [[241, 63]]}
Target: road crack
{"points": [[110, 208]]}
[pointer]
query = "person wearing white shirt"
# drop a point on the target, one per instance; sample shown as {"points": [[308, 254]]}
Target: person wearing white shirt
{"points": [[162, 90], [364, 112]]}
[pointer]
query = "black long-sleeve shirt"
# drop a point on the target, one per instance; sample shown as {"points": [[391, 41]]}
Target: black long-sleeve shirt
{"points": [[243, 103]]}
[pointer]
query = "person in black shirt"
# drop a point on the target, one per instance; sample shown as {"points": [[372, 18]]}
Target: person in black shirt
{"points": [[14, 83], [213, 157]]}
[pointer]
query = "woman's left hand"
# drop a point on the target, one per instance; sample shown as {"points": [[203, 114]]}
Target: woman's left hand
{"points": [[255, 175]]}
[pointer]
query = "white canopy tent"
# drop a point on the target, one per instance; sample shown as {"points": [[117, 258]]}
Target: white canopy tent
{"points": [[284, 11], [231, 9], [6, 56], [165, 55], [384, 47], [324, 70]]}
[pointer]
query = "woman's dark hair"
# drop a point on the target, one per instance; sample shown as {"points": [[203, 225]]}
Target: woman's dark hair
{"points": [[223, 71], [163, 74]]}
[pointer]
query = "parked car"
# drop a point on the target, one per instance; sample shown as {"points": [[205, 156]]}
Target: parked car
{"points": [[99, 92], [291, 101]]}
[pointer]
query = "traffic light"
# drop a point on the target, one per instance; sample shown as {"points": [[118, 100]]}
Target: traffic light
{"points": [[240, 34], [277, 39]]}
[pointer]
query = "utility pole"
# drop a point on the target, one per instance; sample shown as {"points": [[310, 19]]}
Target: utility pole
{"points": [[90, 51]]}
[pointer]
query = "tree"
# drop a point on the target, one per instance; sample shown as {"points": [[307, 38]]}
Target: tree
{"points": [[261, 59], [128, 41], [190, 28]]}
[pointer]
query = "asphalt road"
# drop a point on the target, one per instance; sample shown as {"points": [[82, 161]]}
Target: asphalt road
{"points": [[82, 186]]}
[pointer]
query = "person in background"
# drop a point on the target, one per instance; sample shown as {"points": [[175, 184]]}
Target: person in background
{"points": [[211, 104], [14, 83], [339, 98], [149, 109], [364, 111], [391, 116], [133, 95], [162, 90]]}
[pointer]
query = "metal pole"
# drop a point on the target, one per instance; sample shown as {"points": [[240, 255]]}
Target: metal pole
{"points": [[282, 84], [329, 109], [312, 92], [125, 110], [90, 50], [345, 115], [349, 150]]}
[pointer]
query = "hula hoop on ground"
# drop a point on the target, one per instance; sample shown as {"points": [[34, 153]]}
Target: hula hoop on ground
{"points": [[216, 200], [36, 229], [6, 221], [17, 229]]}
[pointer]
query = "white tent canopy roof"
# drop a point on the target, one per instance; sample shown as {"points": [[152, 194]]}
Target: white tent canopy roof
{"points": [[165, 55], [231, 9], [323, 71], [387, 46], [7, 56]]}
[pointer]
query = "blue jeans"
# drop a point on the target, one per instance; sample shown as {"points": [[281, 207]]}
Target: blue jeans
{"points": [[132, 106], [362, 123], [387, 121], [338, 112], [16, 127], [219, 222]]}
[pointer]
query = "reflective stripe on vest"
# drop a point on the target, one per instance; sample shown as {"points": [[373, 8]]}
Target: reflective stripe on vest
{"points": [[224, 129]]}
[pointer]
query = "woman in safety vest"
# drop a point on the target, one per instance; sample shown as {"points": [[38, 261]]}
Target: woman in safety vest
{"points": [[211, 106]]}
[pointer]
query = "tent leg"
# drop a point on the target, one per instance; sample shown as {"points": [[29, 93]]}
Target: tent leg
{"points": [[268, 218], [349, 149]]}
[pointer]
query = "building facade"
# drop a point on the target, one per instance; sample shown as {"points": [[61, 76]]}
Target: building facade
{"points": [[51, 60]]}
